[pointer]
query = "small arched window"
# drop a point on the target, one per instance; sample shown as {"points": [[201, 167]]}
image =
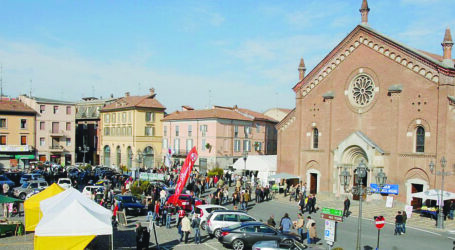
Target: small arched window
{"points": [[420, 139], [315, 138]]}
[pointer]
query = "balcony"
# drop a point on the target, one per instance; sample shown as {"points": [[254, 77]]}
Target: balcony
{"points": [[56, 148], [56, 133]]}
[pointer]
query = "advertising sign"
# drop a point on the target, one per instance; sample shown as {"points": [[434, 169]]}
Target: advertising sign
{"points": [[332, 217], [387, 189], [332, 211], [151, 177], [329, 231], [389, 202]]}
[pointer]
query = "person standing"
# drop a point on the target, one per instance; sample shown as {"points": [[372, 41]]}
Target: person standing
{"points": [[313, 204], [398, 223], [309, 203], [186, 227], [139, 236], [309, 222], [197, 232], [312, 233], [405, 218], [285, 224], [301, 204], [299, 225], [271, 221], [347, 204]]}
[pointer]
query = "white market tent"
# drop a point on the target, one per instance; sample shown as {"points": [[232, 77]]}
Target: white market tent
{"points": [[434, 194], [71, 221], [265, 165]]}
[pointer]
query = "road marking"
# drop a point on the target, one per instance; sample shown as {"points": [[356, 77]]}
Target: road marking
{"points": [[210, 246]]}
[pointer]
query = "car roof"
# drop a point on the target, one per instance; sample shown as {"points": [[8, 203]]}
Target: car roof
{"points": [[254, 223], [229, 211], [210, 206]]}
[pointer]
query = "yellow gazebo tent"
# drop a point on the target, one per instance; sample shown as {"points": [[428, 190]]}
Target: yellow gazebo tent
{"points": [[32, 206]]}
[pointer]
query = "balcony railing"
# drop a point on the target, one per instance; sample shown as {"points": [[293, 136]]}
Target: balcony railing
{"points": [[56, 148], [56, 132]]}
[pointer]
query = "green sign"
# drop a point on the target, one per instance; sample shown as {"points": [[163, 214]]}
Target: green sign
{"points": [[332, 211], [151, 177], [29, 157]]}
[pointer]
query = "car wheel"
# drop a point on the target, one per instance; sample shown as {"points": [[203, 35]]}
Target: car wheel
{"points": [[217, 233], [288, 242], [22, 196], [204, 225], [238, 244]]}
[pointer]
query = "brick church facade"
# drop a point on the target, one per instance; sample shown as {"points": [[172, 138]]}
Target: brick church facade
{"points": [[375, 100]]}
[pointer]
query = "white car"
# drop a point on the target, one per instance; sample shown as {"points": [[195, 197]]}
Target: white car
{"points": [[204, 211], [64, 183], [87, 191]]}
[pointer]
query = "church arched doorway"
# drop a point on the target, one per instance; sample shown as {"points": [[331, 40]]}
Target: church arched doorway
{"points": [[352, 157]]}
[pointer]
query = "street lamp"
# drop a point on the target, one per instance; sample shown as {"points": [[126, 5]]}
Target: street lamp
{"points": [[84, 149], [440, 221], [139, 160], [359, 174]]}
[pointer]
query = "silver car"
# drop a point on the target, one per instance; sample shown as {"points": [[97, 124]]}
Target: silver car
{"points": [[225, 218], [29, 187]]}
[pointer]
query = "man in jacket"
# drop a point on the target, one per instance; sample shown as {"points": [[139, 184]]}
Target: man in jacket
{"points": [[285, 224], [271, 221], [186, 227], [299, 225], [197, 232], [347, 204]]}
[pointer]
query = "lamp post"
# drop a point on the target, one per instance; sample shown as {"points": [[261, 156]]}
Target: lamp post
{"points": [[84, 149], [245, 157], [359, 174], [442, 173], [139, 160]]}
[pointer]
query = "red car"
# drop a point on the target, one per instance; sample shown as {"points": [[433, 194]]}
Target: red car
{"points": [[184, 201]]}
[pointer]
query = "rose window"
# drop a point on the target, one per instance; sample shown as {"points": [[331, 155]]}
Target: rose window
{"points": [[362, 90]]}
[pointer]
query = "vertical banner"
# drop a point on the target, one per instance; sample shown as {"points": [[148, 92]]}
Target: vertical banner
{"points": [[184, 173]]}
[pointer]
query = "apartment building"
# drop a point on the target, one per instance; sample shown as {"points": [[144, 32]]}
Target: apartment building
{"points": [[17, 134], [55, 129]]}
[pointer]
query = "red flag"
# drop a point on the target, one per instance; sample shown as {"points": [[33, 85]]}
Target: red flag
{"points": [[184, 173]]}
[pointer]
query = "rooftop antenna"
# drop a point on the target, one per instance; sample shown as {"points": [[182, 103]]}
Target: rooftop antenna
{"points": [[30, 91]]}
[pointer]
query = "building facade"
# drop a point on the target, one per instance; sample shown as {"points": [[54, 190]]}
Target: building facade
{"points": [[221, 134], [17, 134], [131, 133], [374, 100], [277, 114], [55, 129], [88, 129]]}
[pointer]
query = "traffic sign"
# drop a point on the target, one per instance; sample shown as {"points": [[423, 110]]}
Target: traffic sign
{"points": [[332, 217], [329, 231], [380, 222], [332, 211]]}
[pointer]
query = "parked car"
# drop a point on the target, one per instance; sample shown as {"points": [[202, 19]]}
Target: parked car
{"points": [[246, 234], [64, 182], [225, 218], [204, 211], [130, 204], [184, 201], [29, 187], [278, 245], [15, 177], [31, 177], [4, 179], [87, 191]]}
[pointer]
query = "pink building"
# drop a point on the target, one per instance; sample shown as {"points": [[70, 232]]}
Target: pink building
{"points": [[220, 134]]}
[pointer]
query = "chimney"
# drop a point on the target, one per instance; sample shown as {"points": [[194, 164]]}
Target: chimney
{"points": [[152, 91], [127, 94], [364, 12], [447, 48], [301, 69]]}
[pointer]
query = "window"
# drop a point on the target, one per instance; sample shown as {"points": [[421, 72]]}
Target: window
{"points": [[42, 108], [247, 145], [2, 139], [55, 127], [106, 118], [150, 117], [165, 131], [190, 130], [150, 131], [129, 116], [42, 142], [249, 229], [68, 110], [247, 131], [420, 139], [23, 123], [165, 145], [258, 128], [124, 117], [203, 145], [176, 145], [244, 218], [204, 130], [315, 138], [124, 131], [231, 217], [113, 118], [176, 130], [42, 126], [2, 122], [219, 217], [55, 109], [236, 131], [267, 230], [113, 131], [23, 140], [68, 141], [68, 126], [189, 145], [130, 131], [258, 146], [237, 145], [106, 131]]}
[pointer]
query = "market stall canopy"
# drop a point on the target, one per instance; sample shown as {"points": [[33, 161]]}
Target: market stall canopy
{"points": [[283, 176], [32, 206], [434, 194], [6, 199], [257, 163]]}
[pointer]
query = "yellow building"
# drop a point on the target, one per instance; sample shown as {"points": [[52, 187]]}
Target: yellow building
{"points": [[17, 134], [131, 132]]}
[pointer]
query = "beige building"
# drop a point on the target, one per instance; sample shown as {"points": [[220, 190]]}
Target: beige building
{"points": [[132, 133], [17, 134], [374, 100], [277, 114], [55, 129]]}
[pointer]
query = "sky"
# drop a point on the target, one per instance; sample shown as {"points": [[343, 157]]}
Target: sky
{"points": [[197, 53]]}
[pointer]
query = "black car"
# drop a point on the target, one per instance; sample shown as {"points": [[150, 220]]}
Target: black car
{"points": [[244, 235], [15, 177]]}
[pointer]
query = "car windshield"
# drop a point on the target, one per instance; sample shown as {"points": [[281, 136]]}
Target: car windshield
{"points": [[185, 198], [25, 185], [128, 199], [64, 182]]}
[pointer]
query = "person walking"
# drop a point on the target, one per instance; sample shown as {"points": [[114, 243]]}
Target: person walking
{"points": [[347, 204], [308, 226], [139, 236], [197, 232], [186, 227], [405, 218], [299, 225], [312, 233], [286, 224], [398, 223]]}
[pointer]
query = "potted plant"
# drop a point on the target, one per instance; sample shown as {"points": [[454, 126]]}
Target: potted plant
{"points": [[208, 146]]}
